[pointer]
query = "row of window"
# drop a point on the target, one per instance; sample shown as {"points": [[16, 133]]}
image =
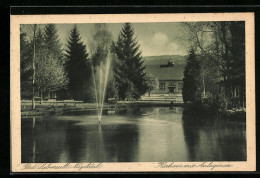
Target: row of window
{"points": [[162, 85]]}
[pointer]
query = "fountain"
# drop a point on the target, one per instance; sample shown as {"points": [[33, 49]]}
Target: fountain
{"points": [[100, 78]]}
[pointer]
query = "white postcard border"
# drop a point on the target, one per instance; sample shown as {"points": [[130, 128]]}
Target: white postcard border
{"points": [[15, 105]]}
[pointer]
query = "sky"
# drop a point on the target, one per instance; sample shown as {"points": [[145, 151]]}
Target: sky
{"points": [[155, 39]]}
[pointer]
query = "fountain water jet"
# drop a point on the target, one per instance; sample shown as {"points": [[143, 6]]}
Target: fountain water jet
{"points": [[100, 79]]}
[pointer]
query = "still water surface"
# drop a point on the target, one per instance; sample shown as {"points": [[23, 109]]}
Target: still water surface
{"points": [[135, 135]]}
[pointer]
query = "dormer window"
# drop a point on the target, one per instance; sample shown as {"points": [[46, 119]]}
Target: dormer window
{"points": [[170, 63]]}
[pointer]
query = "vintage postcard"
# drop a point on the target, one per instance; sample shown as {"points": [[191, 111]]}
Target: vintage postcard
{"points": [[133, 92]]}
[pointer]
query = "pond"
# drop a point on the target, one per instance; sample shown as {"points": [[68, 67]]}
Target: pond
{"points": [[151, 134]]}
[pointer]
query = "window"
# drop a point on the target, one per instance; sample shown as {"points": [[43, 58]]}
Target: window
{"points": [[162, 86], [180, 85], [172, 84]]}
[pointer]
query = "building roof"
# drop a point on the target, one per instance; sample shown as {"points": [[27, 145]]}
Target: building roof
{"points": [[166, 73], [159, 60]]}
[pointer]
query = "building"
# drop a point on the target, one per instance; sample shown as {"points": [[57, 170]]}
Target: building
{"points": [[170, 77]]}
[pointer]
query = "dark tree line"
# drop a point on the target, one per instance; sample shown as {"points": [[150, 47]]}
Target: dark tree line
{"points": [[215, 72], [67, 73]]}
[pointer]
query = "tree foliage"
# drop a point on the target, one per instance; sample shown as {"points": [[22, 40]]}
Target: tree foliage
{"points": [[25, 63], [221, 50], [49, 72], [52, 42], [78, 67], [50, 75], [192, 81], [129, 70], [153, 83]]}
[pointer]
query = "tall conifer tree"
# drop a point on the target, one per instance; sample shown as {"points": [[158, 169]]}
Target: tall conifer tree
{"points": [[192, 83], [129, 71], [78, 67], [52, 42]]}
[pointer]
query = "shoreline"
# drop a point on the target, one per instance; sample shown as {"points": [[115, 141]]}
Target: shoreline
{"points": [[60, 108], [52, 108]]}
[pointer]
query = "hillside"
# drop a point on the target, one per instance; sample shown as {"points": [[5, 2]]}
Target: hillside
{"points": [[157, 60]]}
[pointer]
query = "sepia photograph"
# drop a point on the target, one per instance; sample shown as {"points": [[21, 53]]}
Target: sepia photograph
{"points": [[150, 92]]}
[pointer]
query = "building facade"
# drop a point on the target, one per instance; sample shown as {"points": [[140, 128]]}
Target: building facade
{"points": [[169, 76], [169, 87]]}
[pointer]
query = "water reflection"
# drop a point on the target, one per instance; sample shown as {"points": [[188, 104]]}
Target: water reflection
{"points": [[43, 141], [161, 136], [209, 139], [134, 135], [71, 140]]}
